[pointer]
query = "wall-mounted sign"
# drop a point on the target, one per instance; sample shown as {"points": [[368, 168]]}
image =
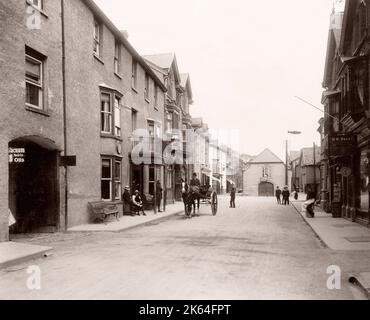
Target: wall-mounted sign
{"points": [[68, 161], [341, 144], [17, 155]]}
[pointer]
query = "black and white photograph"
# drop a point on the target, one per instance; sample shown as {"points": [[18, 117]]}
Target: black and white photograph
{"points": [[185, 151]]}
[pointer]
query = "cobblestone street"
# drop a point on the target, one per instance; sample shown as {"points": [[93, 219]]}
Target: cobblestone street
{"points": [[258, 251]]}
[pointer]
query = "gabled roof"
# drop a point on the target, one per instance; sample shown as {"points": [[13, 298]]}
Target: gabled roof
{"points": [[186, 84], [335, 30], [294, 155], [100, 15], [164, 61], [307, 158], [267, 156]]}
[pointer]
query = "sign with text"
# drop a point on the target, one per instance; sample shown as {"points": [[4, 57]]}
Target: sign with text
{"points": [[341, 144], [17, 155]]}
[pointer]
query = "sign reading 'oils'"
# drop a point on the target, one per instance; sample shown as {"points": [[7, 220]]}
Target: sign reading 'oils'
{"points": [[17, 155]]}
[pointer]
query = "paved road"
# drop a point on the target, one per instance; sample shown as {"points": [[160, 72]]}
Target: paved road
{"points": [[258, 251]]}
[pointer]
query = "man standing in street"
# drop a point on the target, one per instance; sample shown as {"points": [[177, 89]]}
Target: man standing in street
{"points": [[232, 197], [158, 195], [278, 195], [286, 195]]}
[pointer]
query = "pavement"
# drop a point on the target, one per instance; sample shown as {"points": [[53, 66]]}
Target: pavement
{"points": [[15, 252], [259, 250], [12, 253], [336, 233], [341, 235], [128, 222]]}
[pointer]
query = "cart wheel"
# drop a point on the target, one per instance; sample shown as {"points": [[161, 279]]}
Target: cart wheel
{"points": [[214, 203]]}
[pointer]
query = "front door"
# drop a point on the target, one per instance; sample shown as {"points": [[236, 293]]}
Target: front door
{"points": [[266, 189]]}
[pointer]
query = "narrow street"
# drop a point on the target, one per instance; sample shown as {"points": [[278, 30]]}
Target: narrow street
{"points": [[258, 251]]}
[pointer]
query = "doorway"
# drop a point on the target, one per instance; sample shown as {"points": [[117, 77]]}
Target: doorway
{"points": [[33, 186], [266, 189]]}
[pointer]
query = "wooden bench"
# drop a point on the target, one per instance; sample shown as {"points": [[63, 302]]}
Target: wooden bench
{"points": [[101, 210]]}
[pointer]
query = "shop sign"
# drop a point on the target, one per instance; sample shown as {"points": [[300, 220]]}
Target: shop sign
{"points": [[17, 155], [341, 144]]}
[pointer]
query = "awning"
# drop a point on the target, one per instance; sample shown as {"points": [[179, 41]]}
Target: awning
{"points": [[212, 177], [231, 181]]}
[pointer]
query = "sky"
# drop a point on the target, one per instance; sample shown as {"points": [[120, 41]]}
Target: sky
{"points": [[247, 61]]}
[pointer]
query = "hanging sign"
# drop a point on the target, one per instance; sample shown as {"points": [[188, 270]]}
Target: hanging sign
{"points": [[17, 155]]}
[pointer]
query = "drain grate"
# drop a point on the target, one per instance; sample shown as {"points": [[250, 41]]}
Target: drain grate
{"points": [[358, 239]]}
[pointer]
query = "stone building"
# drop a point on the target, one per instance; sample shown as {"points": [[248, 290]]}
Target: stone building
{"points": [[263, 174], [76, 90], [345, 128], [177, 117]]}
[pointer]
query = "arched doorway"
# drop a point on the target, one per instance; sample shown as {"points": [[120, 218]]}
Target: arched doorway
{"points": [[33, 185], [266, 189]]}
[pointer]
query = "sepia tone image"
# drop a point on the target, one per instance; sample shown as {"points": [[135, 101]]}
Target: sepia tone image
{"points": [[184, 150]]}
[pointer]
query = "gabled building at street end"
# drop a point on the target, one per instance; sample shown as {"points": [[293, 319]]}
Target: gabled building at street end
{"points": [[263, 174]]}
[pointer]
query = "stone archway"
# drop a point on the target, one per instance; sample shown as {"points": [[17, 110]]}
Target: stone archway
{"points": [[266, 189], [33, 184]]}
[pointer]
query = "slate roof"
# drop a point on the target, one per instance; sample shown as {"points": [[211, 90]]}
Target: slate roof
{"points": [[294, 155], [267, 156], [162, 60]]}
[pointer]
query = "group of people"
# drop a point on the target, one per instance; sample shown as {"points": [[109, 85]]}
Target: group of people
{"points": [[135, 202], [282, 196]]}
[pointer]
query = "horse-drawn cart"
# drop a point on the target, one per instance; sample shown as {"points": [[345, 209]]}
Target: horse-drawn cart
{"points": [[205, 194]]}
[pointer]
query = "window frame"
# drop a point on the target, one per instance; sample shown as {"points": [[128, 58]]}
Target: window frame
{"points": [[40, 6], [134, 75], [107, 179], [117, 57], [117, 108], [110, 114], [147, 88], [114, 163], [156, 96], [40, 85], [117, 164], [97, 38]]}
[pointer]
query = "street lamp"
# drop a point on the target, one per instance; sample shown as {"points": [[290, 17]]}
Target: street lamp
{"points": [[286, 156]]}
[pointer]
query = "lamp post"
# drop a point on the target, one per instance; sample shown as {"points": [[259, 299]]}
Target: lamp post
{"points": [[287, 156]]}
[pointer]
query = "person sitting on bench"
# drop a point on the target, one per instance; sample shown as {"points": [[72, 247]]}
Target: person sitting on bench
{"points": [[137, 203]]}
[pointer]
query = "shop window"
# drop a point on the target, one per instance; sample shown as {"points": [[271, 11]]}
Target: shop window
{"points": [[169, 179], [151, 180], [365, 182], [106, 179], [34, 80]]}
